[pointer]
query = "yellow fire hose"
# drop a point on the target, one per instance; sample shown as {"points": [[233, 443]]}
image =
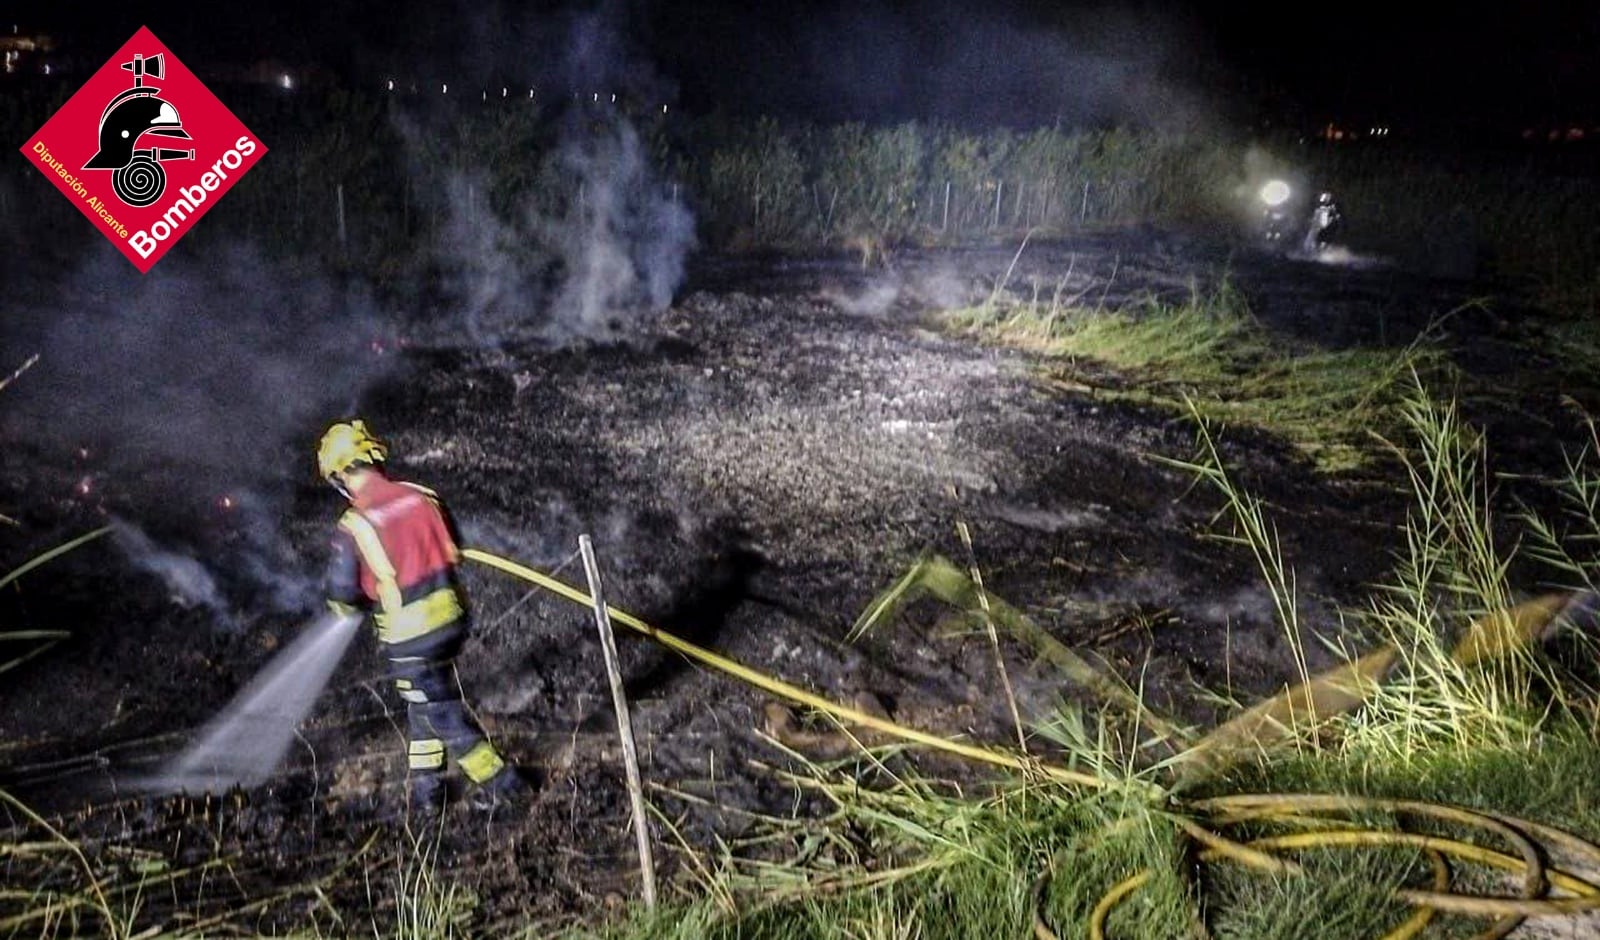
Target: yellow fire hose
{"points": [[1526, 837], [783, 689], [1509, 911]]}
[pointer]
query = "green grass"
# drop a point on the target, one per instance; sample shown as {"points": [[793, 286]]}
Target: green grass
{"points": [[1503, 736], [1450, 575], [955, 867], [1568, 543], [427, 904], [1211, 351], [1449, 572], [1337, 899], [1552, 778], [896, 853], [933, 865]]}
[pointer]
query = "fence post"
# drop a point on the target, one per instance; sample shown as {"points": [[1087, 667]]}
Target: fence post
{"points": [[339, 195], [944, 223], [630, 755], [999, 189], [1084, 212]]}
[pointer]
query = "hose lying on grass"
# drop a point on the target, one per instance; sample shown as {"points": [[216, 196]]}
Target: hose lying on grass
{"points": [[1531, 842], [1537, 877], [783, 689]]}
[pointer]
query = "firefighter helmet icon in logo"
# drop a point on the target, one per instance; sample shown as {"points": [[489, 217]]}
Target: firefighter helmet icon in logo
{"points": [[137, 177]]}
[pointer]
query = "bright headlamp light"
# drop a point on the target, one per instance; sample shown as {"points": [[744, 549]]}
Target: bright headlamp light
{"points": [[1275, 193]]}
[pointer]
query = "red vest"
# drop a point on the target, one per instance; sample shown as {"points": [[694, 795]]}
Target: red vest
{"points": [[412, 530], [406, 557]]}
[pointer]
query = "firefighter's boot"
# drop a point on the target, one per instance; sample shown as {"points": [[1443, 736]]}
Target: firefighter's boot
{"points": [[426, 796], [510, 787]]}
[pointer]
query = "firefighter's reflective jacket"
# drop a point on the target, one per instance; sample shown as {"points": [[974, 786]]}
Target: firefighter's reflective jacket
{"points": [[395, 552]]}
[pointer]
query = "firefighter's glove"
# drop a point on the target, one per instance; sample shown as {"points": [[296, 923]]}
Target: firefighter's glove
{"points": [[341, 609]]}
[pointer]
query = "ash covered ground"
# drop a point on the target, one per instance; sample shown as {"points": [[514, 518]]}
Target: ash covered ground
{"points": [[755, 464]]}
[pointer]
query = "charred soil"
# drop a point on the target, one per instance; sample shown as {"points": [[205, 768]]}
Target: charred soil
{"points": [[754, 467]]}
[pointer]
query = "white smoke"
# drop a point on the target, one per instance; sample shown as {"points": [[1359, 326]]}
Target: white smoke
{"points": [[260, 551], [583, 238], [583, 263], [624, 241], [487, 259], [189, 583], [253, 567]]}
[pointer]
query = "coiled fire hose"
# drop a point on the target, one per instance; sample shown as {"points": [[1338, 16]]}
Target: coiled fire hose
{"points": [[1531, 842]]}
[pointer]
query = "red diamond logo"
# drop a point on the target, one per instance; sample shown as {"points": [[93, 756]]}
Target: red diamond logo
{"points": [[144, 149]]}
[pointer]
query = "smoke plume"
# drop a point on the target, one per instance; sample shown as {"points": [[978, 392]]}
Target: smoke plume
{"points": [[192, 396], [188, 583], [585, 239], [623, 245]]}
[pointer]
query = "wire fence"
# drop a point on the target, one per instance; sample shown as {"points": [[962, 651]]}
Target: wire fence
{"points": [[353, 179]]}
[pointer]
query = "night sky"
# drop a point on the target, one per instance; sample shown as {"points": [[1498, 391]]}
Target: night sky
{"points": [[1022, 62]]}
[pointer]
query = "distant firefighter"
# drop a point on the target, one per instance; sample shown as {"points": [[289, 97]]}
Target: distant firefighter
{"points": [[395, 553], [1327, 222]]}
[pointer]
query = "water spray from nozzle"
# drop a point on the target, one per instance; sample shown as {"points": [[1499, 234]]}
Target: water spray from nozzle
{"points": [[247, 741]]}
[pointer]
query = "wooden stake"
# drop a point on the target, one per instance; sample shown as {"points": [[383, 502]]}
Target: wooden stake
{"points": [[339, 189], [630, 756]]}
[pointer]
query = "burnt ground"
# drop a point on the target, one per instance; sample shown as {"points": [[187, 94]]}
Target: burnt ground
{"points": [[754, 466]]}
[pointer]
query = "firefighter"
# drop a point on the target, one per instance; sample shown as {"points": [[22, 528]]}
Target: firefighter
{"points": [[395, 553], [1327, 222]]}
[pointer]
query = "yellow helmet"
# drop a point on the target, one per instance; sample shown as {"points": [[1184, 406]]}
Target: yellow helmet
{"points": [[346, 444]]}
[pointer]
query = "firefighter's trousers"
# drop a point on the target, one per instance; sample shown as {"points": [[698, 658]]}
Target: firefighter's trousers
{"points": [[439, 726]]}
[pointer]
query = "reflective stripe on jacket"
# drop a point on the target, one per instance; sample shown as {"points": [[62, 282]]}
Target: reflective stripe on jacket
{"points": [[404, 558]]}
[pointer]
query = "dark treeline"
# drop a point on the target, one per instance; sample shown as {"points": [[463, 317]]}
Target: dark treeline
{"points": [[372, 182]]}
